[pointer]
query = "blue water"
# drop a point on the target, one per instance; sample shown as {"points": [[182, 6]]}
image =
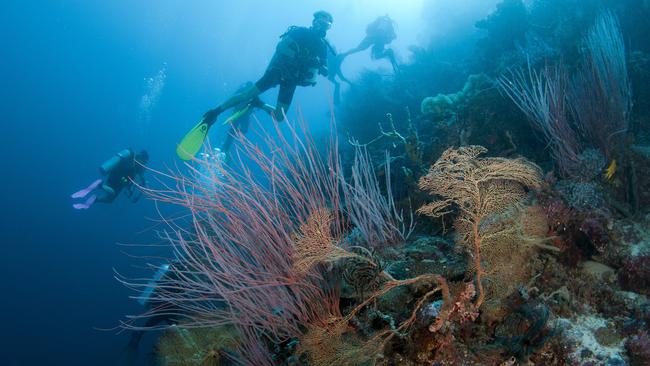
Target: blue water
{"points": [[69, 85], [73, 74]]}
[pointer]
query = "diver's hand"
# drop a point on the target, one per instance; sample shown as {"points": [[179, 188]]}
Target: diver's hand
{"points": [[323, 71], [210, 117]]}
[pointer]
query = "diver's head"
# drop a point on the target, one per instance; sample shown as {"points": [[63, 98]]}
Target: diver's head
{"points": [[322, 22], [142, 157]]}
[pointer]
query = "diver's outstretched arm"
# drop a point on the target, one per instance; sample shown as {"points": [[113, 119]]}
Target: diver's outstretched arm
{"points": [[343, 78], [364, 45]]}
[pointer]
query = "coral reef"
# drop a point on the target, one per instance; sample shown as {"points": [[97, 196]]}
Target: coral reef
{"points": [[638, 347], [200, 347], [534, 252], [635, 275]]}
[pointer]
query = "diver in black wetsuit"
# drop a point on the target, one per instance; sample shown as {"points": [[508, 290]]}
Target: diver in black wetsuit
{"points": [[299, 57]]}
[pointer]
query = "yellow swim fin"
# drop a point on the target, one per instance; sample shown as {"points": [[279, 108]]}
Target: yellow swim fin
{"points": [[192, 142], [237, 115]]}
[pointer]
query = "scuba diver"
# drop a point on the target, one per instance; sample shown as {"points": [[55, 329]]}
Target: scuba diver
{"points": [[121, 171], [379, 33], [165, 314], [300, 56]]}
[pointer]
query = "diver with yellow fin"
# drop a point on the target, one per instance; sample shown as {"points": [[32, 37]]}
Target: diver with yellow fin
{"points": [[300, 56]]}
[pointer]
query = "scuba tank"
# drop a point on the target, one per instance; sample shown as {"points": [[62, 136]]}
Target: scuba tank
{"points": [[111, 163], [152, 284], [295, 58]]}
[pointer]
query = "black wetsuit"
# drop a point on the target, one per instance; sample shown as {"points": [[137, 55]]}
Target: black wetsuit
{"points": [[298, 58]]}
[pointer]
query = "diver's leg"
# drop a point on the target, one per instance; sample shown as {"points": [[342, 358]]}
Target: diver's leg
{"points": [[285, 96], [377, 52], [244, 123], [229, 138], [270, 79], [247, 94], [390, 54], [365, 43], [106, 194], [342, 77], [84, 192]]}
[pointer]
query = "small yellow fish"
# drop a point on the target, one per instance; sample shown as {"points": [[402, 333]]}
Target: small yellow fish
{"points": [[611, 170]]}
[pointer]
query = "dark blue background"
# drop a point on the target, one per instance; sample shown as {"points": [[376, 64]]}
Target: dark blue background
{"points": [[69, 94], [72, 78]]}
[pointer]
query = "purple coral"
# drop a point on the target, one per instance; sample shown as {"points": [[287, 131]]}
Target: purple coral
{"points": [[635, 275], [638, 349], [594, 226]]}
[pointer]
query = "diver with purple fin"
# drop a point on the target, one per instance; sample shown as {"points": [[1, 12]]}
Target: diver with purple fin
{"points": [[120, 171]]}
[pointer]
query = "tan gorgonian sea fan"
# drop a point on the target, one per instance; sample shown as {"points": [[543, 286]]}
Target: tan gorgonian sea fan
{"points": [[479, 190], [507, 258], [315, 243], [334, 342]]}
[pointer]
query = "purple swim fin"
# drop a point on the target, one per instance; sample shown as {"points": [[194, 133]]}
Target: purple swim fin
{"points": [[84, 192], [86, 205]]}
